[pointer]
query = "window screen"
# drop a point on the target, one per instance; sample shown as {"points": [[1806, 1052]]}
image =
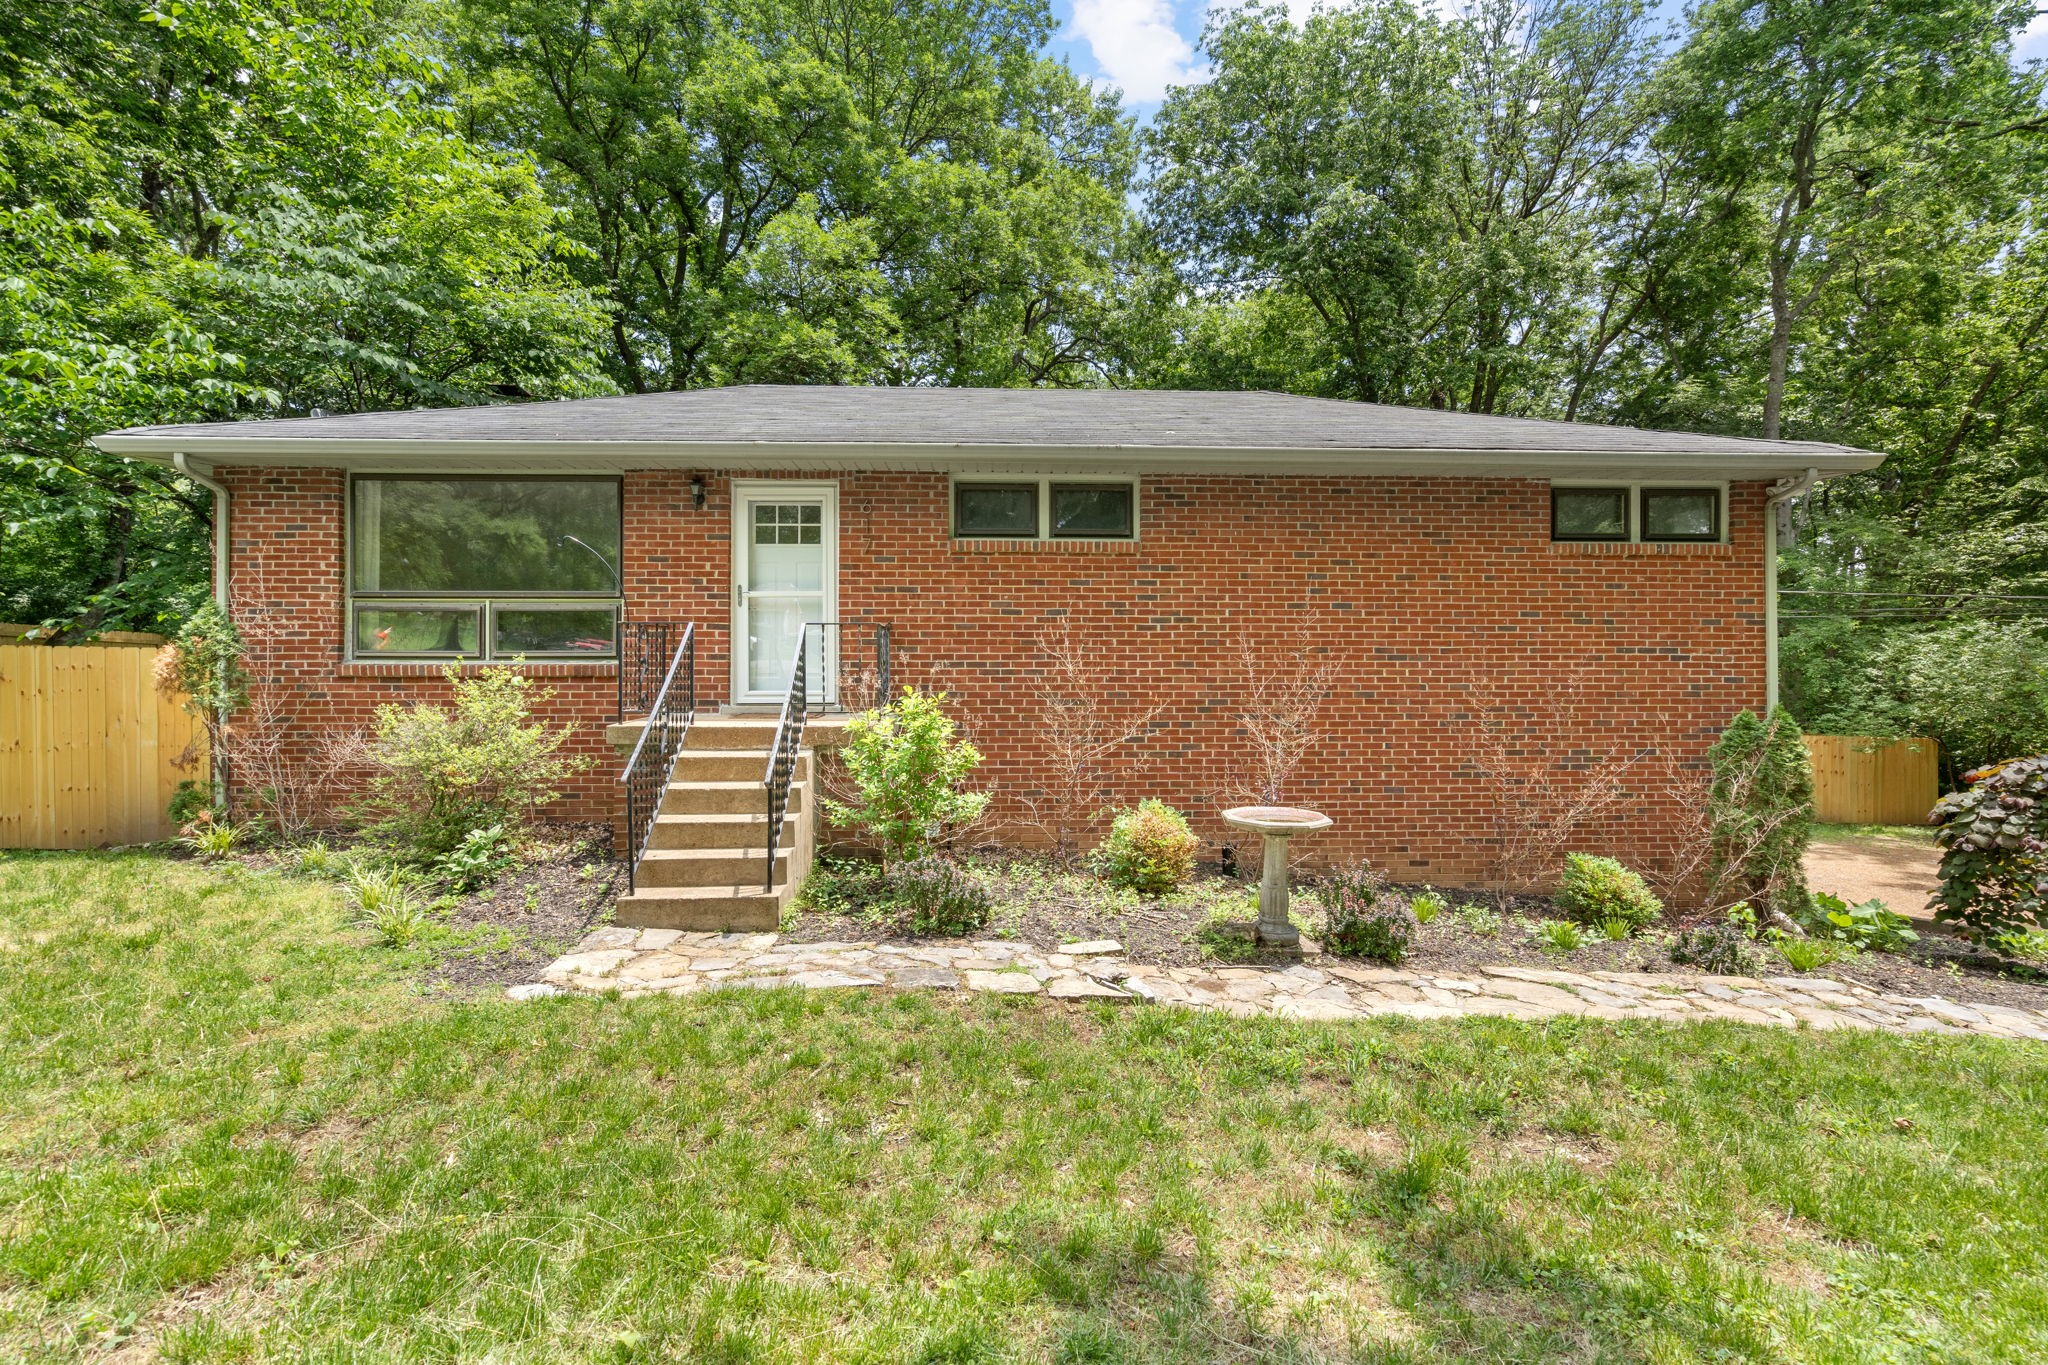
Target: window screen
{"points": [[1589, 514], [1100, 510], [995, 509], [1681, 514]]}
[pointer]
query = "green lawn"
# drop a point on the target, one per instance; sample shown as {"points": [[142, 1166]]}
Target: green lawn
{"points": [[230, 1128]]}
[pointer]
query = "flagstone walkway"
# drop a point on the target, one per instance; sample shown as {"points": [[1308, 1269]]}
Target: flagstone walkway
{"points": [[637, 962]]}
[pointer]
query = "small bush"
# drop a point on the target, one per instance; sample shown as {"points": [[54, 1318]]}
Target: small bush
{"points": [[906, 769], [188, 802], [1596, 890], [375, 887], [1150, 850], [1718, 948], [1761, 806], [1869, 927], [485, 760], [1994, 842], [318, 860], [1805, 954], [1558, 936], [400, 921], [476, 861], [1479, 920], [2026, 945], [941, 898], [1427, 905], [207, 839], [1615, 928], [1360, 919]]}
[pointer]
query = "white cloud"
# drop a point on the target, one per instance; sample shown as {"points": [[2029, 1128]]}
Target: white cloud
{"points": [[1137, 47], [2033, 40]]}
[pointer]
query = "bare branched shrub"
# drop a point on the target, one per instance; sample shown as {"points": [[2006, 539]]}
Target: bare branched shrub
{"points": [[1084, 723], [1547, 779], [272, 763], [1284, 690]]}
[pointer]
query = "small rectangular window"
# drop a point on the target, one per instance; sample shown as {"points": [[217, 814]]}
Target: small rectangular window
{"points": [[1099, 511], [567, 630], [423, 629], [1589, 514], [995, 510], [1681, 513]]}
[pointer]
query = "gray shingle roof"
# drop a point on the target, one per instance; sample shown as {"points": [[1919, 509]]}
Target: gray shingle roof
{"points": [[926, 421]]}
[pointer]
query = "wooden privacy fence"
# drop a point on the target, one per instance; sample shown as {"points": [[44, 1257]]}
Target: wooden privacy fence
{"points": [[1862, 781], [87, 745]]}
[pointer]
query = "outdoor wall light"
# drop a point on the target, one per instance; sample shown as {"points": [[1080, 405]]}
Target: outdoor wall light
{"points": [[697, 491]]}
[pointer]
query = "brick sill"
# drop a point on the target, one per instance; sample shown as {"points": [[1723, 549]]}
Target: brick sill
{"points": [[428, 668], [1040, 547], [1672, 549]]}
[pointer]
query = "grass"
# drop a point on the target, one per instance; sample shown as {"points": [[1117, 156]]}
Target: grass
{"points": [[233, 1127], [1918, 834]]}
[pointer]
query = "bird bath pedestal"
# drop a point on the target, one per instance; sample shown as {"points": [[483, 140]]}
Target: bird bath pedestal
{"points": [[1278, 824]]}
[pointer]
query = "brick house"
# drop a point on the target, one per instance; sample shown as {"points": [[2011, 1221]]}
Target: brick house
{"points": [[1486, 594]]}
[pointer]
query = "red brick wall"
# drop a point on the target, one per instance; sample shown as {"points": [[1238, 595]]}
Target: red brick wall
{"points": [[1440, 600]]}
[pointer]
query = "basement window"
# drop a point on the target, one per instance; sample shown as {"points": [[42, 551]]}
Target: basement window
{"points": [[443, 567], [1045, 509], [1638, 513]]}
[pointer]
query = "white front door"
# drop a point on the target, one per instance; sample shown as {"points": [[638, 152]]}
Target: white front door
{"points": [[785, 573]]}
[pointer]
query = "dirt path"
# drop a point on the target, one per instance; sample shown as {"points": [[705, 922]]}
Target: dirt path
{"points": [[1898, 872]]}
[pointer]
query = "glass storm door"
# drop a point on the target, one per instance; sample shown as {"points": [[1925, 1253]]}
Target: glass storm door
{"points": [[785, 575]]}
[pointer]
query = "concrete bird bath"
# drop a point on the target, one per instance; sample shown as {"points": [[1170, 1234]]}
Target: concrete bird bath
{"points": [[1278, 824]]}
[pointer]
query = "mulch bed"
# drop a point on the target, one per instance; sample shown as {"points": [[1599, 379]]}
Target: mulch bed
{"points": [[563, 888], [1039, 905]]}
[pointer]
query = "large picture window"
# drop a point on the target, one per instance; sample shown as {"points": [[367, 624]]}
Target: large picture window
{"points": [[488, 568]]}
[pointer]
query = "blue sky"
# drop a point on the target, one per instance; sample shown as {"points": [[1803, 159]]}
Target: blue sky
{"points": [[1143, 46]]}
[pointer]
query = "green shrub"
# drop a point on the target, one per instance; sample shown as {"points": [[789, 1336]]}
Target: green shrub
{"points": [[1719, 948], [476, 861], [1382, 930], [1805, 954], [2026, 945], [1761, 808], [208, 839], [1596, 890], [1616, 928], [1994, 850], [1427, 905], [1868, 927], [1558, 936], [906, 768], [1149, 849], [188, 801], [942, 898], [318, 860], [484, 760]]}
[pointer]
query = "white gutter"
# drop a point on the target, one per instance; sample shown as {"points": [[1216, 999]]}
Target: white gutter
{"points": [[1783, 491], [183, 465]]}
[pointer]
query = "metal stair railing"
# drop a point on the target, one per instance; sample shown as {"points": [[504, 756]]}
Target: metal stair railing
{"points": [[796, 704], [648, 771]]}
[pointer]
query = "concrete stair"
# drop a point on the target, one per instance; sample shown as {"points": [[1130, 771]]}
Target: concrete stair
{"points": [[707, 859]]}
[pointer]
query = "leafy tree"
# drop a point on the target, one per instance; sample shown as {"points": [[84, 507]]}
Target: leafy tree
{"points": [[838, 193], [1425, 187], [228, 209], [1761, 803]]}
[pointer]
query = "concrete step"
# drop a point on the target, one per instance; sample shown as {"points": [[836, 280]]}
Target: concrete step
{"points": [[749, 830], [752, 733], [726, 798], [709, 867], [728, 765], [714, 909]]}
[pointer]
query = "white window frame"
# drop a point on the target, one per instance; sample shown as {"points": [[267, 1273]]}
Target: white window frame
{"points": [[1635, 489], [1045, 484]]}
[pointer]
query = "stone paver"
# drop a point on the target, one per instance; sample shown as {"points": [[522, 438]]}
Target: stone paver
{"points": [[637, 962]]}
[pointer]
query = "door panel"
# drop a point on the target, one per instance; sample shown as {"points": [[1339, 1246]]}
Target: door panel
{"points": [[785, 575]]}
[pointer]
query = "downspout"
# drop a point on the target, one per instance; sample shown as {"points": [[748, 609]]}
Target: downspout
{"points": [[183, 465], [1781, 492], [215, 760]]}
